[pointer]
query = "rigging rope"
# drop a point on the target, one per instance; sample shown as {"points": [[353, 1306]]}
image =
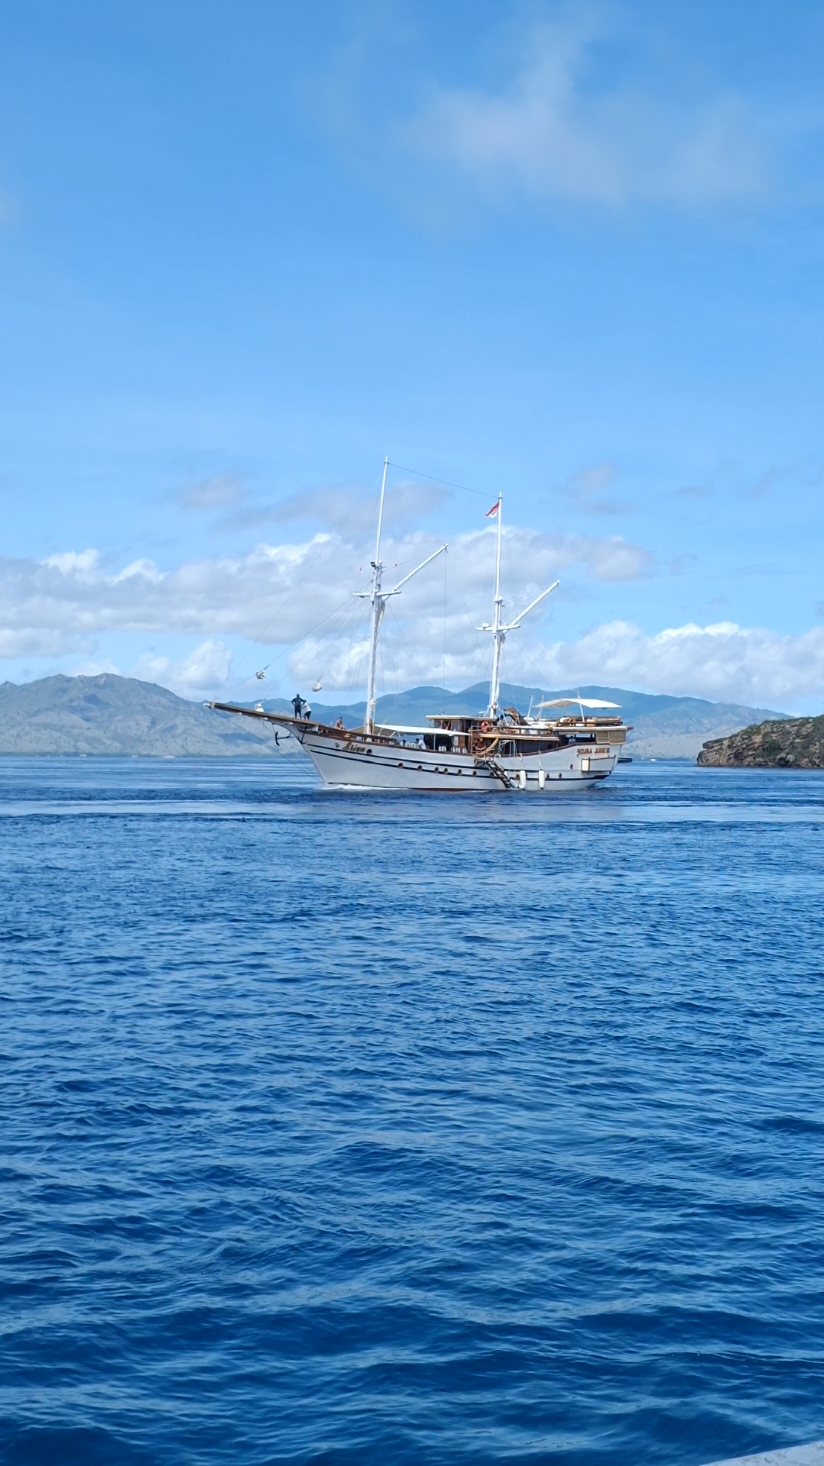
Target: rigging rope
{"points": [[358, 647], [433, 479], [348, 514]]}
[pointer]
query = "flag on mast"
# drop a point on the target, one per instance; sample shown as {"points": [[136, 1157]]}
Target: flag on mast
{"points": [[494, 510]]}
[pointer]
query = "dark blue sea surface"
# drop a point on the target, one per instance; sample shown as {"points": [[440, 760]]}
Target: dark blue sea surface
{"points": [[370, 1129]]}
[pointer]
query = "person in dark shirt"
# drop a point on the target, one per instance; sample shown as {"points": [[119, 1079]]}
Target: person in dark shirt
{"points": [[297, 704]]}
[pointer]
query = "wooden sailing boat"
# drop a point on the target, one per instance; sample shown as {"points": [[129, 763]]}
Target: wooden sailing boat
{"points": [[575, 744]]}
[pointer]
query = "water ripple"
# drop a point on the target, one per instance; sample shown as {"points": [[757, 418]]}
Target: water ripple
{"points": [[357, 1130]]}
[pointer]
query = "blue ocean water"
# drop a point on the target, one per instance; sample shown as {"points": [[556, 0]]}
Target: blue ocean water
{"points": [[369, 1129]]}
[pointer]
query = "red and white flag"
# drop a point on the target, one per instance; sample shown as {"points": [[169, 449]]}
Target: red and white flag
{"points": [[494, 510]]}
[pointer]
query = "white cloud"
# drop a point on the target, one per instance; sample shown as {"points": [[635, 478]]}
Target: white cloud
{"points": [[205, 670], [276, 594], [70, 562], [551, 136], [723, 662], [145, 568], [26, 641]]}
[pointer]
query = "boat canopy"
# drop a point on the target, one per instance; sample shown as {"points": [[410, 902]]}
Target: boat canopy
{"points": [[399, 728], [577, 702]]}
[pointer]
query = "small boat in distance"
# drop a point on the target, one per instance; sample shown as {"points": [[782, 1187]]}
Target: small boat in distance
{"points": [[573, 744]]}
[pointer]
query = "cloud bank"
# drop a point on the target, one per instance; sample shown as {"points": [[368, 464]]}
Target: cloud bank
{"points": [[275, 594], [300, 596], [722, 662]]}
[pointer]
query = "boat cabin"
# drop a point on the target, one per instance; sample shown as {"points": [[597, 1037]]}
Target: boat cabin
{"points": [[511, 733]]}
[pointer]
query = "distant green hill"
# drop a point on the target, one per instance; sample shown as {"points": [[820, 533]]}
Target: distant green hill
{"points": [[116, 715]]}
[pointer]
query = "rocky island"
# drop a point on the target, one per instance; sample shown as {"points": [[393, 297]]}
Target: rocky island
{"points": [[792, 743]]}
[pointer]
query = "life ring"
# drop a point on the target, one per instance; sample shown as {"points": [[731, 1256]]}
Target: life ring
{"points": [[484, 727]]}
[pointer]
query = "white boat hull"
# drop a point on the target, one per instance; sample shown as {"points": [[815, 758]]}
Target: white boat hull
{"points": [[347, 763]]}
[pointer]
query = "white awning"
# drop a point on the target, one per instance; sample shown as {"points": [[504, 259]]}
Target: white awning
{"points": [[577, 702], [401, 728]]}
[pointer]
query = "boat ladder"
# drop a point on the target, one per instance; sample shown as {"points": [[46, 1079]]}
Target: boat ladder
{"points": [[497, 771]]}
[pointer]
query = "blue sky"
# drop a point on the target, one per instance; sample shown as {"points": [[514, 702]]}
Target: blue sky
{"points": [[572, 252]]}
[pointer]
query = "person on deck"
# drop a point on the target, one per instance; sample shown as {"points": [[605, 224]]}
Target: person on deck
{"points": [[297, 704]]}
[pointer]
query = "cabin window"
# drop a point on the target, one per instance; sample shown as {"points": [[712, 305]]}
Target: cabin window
{"points": [[440, 742]]}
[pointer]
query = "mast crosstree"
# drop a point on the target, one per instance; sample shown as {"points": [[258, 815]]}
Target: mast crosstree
{"points": [[379, 597], [496, 626]]}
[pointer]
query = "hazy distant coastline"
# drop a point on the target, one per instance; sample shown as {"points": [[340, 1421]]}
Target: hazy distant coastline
{"points": [[113, 715], [117, 715]]}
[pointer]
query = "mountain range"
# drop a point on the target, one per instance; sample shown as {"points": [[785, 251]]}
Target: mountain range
{"points": [[107, 714], [117, 715], [662, 726]]}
